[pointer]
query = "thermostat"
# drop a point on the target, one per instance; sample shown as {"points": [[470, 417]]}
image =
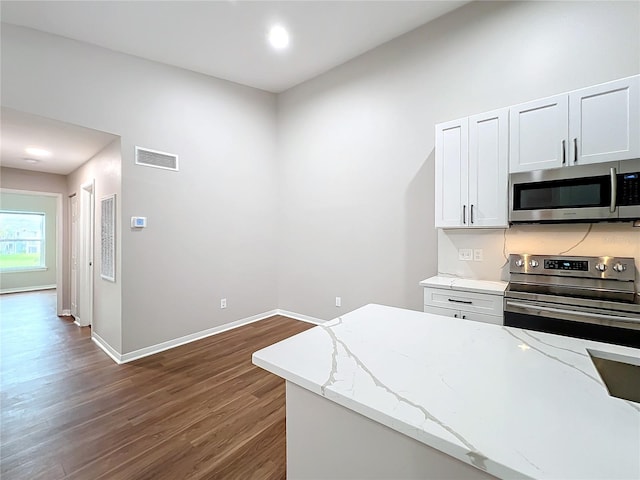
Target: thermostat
{"points": [[138, 222]]}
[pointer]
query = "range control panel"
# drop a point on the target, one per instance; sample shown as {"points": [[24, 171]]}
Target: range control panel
{"points": [[614, 268], [580, 265]]}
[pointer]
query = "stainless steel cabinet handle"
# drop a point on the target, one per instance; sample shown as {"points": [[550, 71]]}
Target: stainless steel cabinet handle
{"points": [[468, 302], [464, 214], [575, 150], [564, 153], [614, 189], [471, 214], [540, 308]]}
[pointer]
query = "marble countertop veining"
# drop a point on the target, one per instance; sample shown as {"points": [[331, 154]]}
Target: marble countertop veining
{"points": [[466, 284], [512, 402]]}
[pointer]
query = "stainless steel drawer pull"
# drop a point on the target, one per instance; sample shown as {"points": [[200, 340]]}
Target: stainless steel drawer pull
{"points": [[468, 302]]}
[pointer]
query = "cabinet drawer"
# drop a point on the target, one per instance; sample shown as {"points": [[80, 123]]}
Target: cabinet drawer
{"points": [[464, 301]]}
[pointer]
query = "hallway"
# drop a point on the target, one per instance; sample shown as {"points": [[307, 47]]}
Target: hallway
{"points": [[201, 410]]}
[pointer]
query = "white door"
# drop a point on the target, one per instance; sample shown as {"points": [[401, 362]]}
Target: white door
{"points": [[488, 169], [85, 261], [538, 134], [74, 255], [451, 168], [604, 122]]}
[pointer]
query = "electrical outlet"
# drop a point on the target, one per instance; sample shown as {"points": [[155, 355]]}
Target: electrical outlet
{"points": [[478, 255], [338, 301], [223, 303], [465, 254]]}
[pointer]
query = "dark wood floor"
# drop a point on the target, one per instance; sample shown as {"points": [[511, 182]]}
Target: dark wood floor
{"points": [[199, 411]]}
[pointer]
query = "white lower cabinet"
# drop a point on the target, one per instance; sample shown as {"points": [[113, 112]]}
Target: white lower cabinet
{"points": [[480, 307]]}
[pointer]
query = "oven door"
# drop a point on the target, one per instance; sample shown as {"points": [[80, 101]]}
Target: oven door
{"points": [[608, 326], [585, 192]]}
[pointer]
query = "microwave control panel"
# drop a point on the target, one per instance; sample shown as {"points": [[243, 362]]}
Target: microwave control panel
{"points": [[629, 188]]}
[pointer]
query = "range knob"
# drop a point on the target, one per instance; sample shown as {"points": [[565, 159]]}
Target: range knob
{"points": [[533, 263], [619, 267], [519, 262], [601, 267]]}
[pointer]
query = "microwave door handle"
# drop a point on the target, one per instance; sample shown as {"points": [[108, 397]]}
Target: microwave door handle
{"points": [[614, 189]]}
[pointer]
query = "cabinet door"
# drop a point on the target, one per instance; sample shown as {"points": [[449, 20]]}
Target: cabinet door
{"points": [[451, 173], [604, 122], [538, 134], [445, 312], [480, 317], [489, 169]]}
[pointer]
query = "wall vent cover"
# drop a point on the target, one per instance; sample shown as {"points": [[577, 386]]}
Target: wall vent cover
{"points": [[154, 158]]}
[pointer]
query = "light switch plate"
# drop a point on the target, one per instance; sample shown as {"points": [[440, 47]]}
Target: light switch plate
{"points": [[478, 255]]}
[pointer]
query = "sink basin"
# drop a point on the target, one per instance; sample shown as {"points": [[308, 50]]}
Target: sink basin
{"points": [[620, 374]]}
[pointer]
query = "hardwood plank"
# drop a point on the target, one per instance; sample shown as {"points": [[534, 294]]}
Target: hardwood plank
{"points": [[200, 411]]}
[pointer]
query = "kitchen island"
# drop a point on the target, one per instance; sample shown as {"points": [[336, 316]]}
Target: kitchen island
{"points": [[383, 392]]}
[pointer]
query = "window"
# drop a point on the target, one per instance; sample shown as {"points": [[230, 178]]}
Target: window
{"points": [[21, 241]]}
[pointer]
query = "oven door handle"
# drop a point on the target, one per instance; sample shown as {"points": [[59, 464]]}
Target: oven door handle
{"points": [[541, 308]]}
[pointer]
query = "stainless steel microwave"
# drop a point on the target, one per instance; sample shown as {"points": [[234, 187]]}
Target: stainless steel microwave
{"points": [[580, 193]]}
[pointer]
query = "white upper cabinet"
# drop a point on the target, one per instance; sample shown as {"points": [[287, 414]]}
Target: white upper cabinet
{"points": [[471, 171], [452, 151], [592, 125], [539, 133], [488, 169], [604, 122]]}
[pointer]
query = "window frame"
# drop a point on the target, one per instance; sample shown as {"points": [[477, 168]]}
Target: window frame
{"points": [[43, 252]]}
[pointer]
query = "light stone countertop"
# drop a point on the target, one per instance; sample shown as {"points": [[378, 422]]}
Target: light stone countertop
{"points": [[512, 402], [466, 284]]}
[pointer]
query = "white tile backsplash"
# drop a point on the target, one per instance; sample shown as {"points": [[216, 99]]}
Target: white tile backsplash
{"points": [[614, 239]]}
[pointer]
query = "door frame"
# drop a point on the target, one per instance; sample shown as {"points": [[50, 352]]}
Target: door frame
{"points": [[86, 260], [73, 253]]}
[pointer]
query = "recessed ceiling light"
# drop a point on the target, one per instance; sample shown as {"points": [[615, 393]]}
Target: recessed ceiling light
{"points": [[32, 161], [38, 152], [278, 37]]}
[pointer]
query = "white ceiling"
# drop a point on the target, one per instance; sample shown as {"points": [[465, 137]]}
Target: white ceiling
{"points": [[70, 145], [224, 39], [227, 39]]}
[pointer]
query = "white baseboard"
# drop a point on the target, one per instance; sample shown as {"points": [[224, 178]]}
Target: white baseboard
{"points": [[108, 349], [161, 347], [26, 289], [301, 317], [66, 312]]}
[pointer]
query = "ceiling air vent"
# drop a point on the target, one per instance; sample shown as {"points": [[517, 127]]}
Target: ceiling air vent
{"points": [[154, 158]]}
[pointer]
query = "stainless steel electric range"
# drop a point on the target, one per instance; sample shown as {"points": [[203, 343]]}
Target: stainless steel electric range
{"points": [[587, 297]]}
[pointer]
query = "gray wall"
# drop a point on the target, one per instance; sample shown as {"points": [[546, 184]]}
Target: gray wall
{"points": [[212, 225], [323, 191], [33, 279], [104, 169], [356, 144]]}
